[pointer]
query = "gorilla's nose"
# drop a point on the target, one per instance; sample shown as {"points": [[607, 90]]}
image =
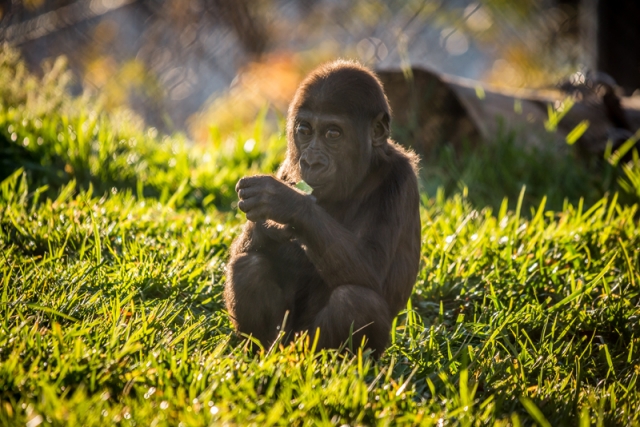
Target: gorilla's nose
{"points": [[314, 161]]}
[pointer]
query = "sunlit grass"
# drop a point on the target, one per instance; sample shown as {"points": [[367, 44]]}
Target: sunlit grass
{"points": [[113, 243], [111, 310]]}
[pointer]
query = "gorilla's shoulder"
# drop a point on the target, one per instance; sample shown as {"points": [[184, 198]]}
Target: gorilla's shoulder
{"points": [[403, 160]]}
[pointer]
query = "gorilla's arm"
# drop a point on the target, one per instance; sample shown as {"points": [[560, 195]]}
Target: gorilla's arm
{"points": [[342, 256], [363, 256], [360, 257]]}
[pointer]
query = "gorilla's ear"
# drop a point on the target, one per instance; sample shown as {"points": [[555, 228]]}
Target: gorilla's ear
{"points": [[380, 130]]}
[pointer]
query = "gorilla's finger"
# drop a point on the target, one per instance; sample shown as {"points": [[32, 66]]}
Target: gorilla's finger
{"points": [[256, 215], [245, 193], [249, 181], [245, 205], [244, 183]]}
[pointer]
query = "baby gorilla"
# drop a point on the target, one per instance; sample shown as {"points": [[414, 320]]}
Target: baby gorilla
{"points": [[343, 259]]}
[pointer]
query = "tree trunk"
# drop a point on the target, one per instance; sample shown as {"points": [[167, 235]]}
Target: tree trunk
{"points": [[618, 42]]}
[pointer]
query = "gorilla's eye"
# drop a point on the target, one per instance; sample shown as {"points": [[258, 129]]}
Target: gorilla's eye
{"points": [[303, 129], [333, 134]]}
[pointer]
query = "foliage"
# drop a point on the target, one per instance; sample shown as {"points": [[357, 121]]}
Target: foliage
{"points": [[57, 139], [492, 171], [110, 300], [111, 311]]}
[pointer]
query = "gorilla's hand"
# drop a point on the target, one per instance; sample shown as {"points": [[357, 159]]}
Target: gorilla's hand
{"points": [[263, 197]]}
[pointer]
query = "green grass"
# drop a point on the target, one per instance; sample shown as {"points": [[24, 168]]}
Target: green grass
{"points": [[112, 258]]}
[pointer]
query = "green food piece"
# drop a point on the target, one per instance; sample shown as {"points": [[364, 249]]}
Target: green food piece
{"points": [[303, 186]]}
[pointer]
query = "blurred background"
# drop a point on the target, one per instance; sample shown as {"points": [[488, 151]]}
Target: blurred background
{"points": [[188, 65], [187, 96]]}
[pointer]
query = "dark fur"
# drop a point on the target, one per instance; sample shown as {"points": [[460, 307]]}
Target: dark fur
{"points": [[348, 261]]}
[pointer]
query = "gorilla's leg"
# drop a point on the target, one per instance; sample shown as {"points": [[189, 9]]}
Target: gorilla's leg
{"points": [[353, 309], [254, 300]]}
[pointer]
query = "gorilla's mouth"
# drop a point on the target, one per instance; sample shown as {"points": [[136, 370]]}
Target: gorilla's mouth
{"points": [[318, 179], [313, 178], [315, 184]]}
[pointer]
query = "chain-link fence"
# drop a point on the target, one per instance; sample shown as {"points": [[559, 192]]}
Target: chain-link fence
{"points": [[181, 63]]}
